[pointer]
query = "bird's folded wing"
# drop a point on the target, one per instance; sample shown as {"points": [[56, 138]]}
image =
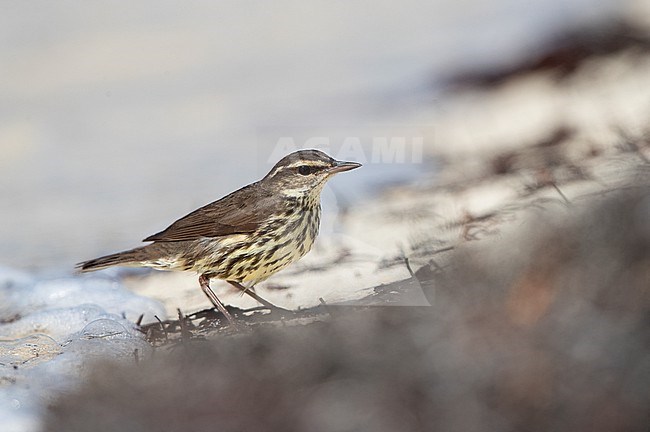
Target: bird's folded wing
{"points": [[238, 213]]}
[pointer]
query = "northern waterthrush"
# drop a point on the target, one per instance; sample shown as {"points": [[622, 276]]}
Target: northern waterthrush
{"points": [[246, 236]]}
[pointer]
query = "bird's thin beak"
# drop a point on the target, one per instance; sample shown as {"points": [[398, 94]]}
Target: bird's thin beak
{"points": [[341, 166]]}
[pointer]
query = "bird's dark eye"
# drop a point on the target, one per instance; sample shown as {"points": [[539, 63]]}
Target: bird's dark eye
{"points": [[305, 169]]}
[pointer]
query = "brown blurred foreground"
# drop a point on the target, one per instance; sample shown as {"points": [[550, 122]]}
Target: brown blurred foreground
{"points": [[544, 329]]}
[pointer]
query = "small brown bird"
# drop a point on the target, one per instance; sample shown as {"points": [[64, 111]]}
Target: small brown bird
{"points": [[246, 236]]}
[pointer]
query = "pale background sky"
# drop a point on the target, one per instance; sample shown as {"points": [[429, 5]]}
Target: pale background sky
{"points": [[115, 120]]}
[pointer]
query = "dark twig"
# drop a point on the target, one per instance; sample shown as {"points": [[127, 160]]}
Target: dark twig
{"points": [[326, 307], [408, 266], [162, 327], [186, 334], [555, 186]]}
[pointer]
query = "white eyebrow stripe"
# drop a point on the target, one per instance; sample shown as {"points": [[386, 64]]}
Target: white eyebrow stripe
{"points": [[296, 164], [309, 163]]}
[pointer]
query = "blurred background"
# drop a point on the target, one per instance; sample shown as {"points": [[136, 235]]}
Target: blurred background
{"points": [[117, 120], [509, 198]]}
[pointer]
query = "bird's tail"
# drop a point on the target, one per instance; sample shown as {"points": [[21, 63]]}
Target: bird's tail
{"points": [[131, 257]]}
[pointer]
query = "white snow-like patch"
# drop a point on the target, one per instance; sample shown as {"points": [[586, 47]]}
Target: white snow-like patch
{"points": [[24, 297], [51, 329]]}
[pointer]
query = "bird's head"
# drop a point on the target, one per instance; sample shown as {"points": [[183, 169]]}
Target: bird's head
{"points": [[304, 172]]}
